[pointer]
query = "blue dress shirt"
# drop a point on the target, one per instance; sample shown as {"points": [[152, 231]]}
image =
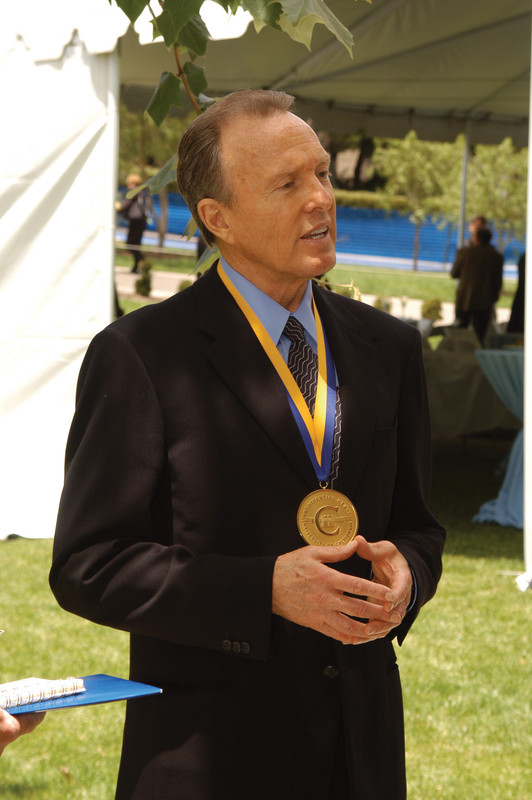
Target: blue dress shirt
{"points": [[273, 315]]}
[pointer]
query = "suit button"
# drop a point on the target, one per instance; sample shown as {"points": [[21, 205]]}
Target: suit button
{"points": [[226, 645], [236, 647], [246, 649], [331, 672]]}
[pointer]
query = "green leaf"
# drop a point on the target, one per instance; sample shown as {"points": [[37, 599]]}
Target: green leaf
{"points": [[264, 13], [233, 5], [299, 19], [195, 36], [190, 228], [195, 77], [162, 178], [167, 28], [230, 6], [174, 18], [132, 8], [207, 259], [166, 95], [209, 255]]}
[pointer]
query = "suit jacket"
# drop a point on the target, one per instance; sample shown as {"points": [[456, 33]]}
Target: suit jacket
{"points": [[479, 270], [184, 473]]}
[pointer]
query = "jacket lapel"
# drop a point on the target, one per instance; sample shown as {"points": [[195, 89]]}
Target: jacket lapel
{"points": [[356, 364], [240, 360]]}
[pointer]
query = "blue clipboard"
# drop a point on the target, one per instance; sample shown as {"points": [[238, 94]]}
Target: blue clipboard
{"points": [[98, 689]]}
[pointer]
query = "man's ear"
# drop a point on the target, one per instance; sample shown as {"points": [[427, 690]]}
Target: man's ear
{"points": [[212, 214]]}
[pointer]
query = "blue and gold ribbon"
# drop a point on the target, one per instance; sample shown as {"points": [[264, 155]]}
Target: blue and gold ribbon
{"points": [[318, 430]]}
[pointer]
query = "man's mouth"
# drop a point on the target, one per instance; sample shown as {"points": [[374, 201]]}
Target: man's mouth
{"points": [[319, 233]]}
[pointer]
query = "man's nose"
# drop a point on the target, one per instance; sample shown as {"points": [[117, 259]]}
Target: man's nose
{"points": [[319, 195]]}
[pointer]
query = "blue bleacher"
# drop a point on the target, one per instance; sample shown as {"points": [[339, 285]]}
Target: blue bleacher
{"points": [[386, 238]]}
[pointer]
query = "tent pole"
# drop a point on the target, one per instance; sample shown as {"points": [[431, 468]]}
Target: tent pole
{"points": [[463, 188], [113, 88], [525, 581]]}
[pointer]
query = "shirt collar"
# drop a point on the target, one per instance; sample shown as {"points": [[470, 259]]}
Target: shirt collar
{"points": [[273, 315]]}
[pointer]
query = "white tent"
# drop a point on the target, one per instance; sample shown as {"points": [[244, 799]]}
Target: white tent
{"points": [[59, 74], [441, 66]]}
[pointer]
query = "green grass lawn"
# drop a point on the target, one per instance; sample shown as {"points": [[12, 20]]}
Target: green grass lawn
{"points": [[370, 280], [172, 262], [74, 754], [466, 665], [405, 283]]}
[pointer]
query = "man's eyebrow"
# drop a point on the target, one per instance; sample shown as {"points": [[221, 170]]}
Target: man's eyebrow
{"points": [[290, 172], [283, 175]]}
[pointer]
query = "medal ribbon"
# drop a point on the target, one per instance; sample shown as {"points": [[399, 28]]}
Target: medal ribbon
{"points": [[317, 431]]}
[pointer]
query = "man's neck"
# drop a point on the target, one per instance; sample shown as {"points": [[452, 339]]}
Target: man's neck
{"points": [[287, 290]]}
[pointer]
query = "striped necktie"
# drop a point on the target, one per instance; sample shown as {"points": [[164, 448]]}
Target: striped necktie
{"points": [[303, 364]]}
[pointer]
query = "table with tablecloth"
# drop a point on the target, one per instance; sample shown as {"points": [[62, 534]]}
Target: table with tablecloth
{"points": [[462, 401], [504, 369]]}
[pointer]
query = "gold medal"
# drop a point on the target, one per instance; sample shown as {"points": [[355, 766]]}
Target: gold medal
{"points": [[327, 517]]}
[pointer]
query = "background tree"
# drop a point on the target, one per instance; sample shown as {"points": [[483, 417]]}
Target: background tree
{"points": [[497, 187], [361, 148], [422, 172], [144, 148]]}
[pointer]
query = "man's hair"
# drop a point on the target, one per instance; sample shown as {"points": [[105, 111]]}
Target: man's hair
{"points": [[479, 221], [483, 235], [199, 168]]}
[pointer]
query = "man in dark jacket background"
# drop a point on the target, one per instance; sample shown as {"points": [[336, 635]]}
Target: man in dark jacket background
{"points": [[479, 272]]}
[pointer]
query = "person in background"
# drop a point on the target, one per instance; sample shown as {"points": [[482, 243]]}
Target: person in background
{"points": [[475, 223], [194, 471], [136, 211], [478, 269], [12, 727]]}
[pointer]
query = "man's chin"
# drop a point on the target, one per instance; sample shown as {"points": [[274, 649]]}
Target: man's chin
{"points": [[324, 266]]}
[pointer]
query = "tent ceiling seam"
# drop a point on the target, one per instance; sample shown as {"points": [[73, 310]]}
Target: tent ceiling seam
{"points": [[517, 79], [284, 81]]}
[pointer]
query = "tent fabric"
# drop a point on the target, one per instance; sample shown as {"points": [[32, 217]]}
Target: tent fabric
{"points": [[432, 65], [57, 184], [45, 29]]}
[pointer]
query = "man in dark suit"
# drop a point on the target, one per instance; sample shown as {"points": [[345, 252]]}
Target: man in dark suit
{"points": [[479, 270], [190, 460]]}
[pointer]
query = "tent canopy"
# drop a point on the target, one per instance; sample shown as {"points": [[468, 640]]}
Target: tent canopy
{"points": [[433, 65]]}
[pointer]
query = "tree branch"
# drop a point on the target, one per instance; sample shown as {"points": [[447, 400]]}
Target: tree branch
{"points": [[181, 74]]}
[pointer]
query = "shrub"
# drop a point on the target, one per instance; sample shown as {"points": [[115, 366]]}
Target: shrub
{"points": [[383, 304], [143, 284], [431, 309]]}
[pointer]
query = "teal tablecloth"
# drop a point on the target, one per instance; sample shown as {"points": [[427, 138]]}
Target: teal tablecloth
{"points": [[504, 369]]}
